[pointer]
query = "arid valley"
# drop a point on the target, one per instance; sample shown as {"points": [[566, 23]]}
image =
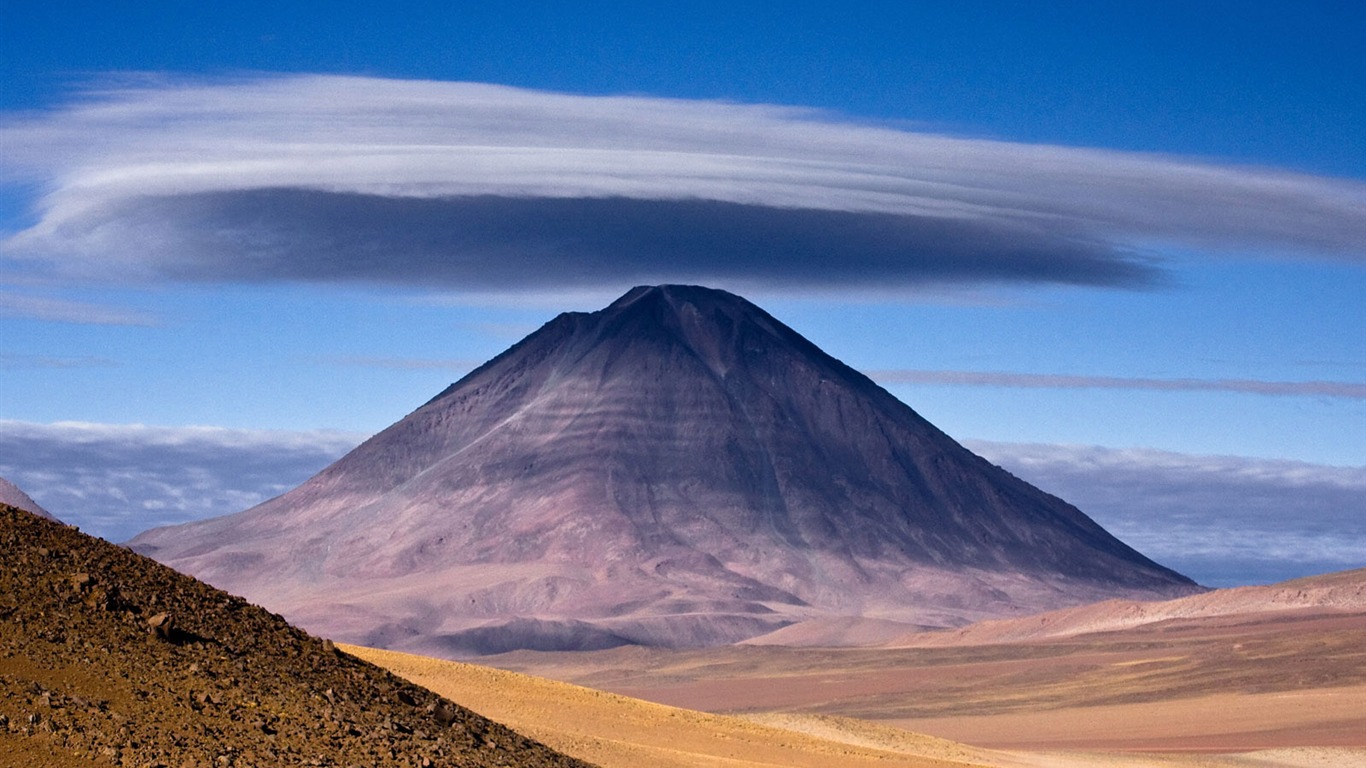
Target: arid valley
{"points": [[1270, 684]]}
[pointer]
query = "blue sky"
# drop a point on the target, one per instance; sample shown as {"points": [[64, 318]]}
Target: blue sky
{"points": [[1140, 227]]}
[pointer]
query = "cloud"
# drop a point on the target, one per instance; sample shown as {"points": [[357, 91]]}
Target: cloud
{"points": [[1336, 389], [117, 480], [463, 365], [493, 242], [64, 311], [1222, 520], [324, 178], [15, 362]]}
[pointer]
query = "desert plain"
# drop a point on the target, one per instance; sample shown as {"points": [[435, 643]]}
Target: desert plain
{"points": [[1246, 677]]}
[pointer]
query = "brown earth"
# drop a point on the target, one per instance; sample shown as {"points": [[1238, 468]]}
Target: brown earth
{"points": [[614, 730], [1227, 683], [620, 732], [1328, 595], [108, 658]]}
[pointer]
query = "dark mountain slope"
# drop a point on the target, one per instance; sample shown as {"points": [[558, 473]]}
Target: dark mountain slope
{"points": [[677, 469], [107, 657]]}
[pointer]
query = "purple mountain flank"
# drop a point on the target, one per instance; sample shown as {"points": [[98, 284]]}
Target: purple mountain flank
{"points": [[12, 495], [679, 469]]}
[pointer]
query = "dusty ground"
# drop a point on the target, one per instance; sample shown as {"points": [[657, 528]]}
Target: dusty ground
{"points": [[619, 732], [615, 730], [1292, 681]]}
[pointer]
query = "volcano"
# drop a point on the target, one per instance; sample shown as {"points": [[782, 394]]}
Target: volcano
{"points": [[678, 469]]}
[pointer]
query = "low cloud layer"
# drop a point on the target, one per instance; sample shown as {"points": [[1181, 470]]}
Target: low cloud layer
{"points": [[115, 481], [322, 178], [1335, 389], [1223, 520]]}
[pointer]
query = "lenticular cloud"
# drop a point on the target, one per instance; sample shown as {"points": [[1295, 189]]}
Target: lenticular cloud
{"points": [[326, 178]]}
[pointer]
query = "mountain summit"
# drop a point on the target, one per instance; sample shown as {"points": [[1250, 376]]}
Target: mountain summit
{"points": [[677, 469]]}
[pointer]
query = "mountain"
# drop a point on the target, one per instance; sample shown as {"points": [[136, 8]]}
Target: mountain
{"points": [[678, 469], [12, 495], [108, 658]]}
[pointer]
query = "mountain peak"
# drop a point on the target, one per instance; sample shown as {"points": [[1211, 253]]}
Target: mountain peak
{"points": [[678, 468], [676, 297]]}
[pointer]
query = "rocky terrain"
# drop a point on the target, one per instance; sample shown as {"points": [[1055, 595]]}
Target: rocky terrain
{"points": [[108, 658], [679, 469]]}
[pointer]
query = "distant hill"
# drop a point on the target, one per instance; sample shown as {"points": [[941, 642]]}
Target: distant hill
{"points": [[108, 658], [679, 469], [12, 495], [1342, 593]]}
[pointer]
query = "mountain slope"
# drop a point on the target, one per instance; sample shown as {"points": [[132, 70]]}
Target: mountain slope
{"points": [[109, 658], [678, 469], [12, 495]]}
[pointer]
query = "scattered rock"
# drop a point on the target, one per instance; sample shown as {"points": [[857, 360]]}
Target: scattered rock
{"points": [[162, 625], [443, 712], [77, 673]]}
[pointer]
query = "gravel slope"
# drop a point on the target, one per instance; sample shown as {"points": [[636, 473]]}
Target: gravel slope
{"points": [[108, 658]]}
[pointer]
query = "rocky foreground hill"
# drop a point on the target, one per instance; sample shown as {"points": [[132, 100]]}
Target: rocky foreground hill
{"points": [[108, 658]]}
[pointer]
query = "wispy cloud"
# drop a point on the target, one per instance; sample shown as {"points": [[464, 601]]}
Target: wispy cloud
{"points": [[65, 311], [406, 363], [116, 480], [1336, 389], [484, 187], [1222, 520], [18, 362]]}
